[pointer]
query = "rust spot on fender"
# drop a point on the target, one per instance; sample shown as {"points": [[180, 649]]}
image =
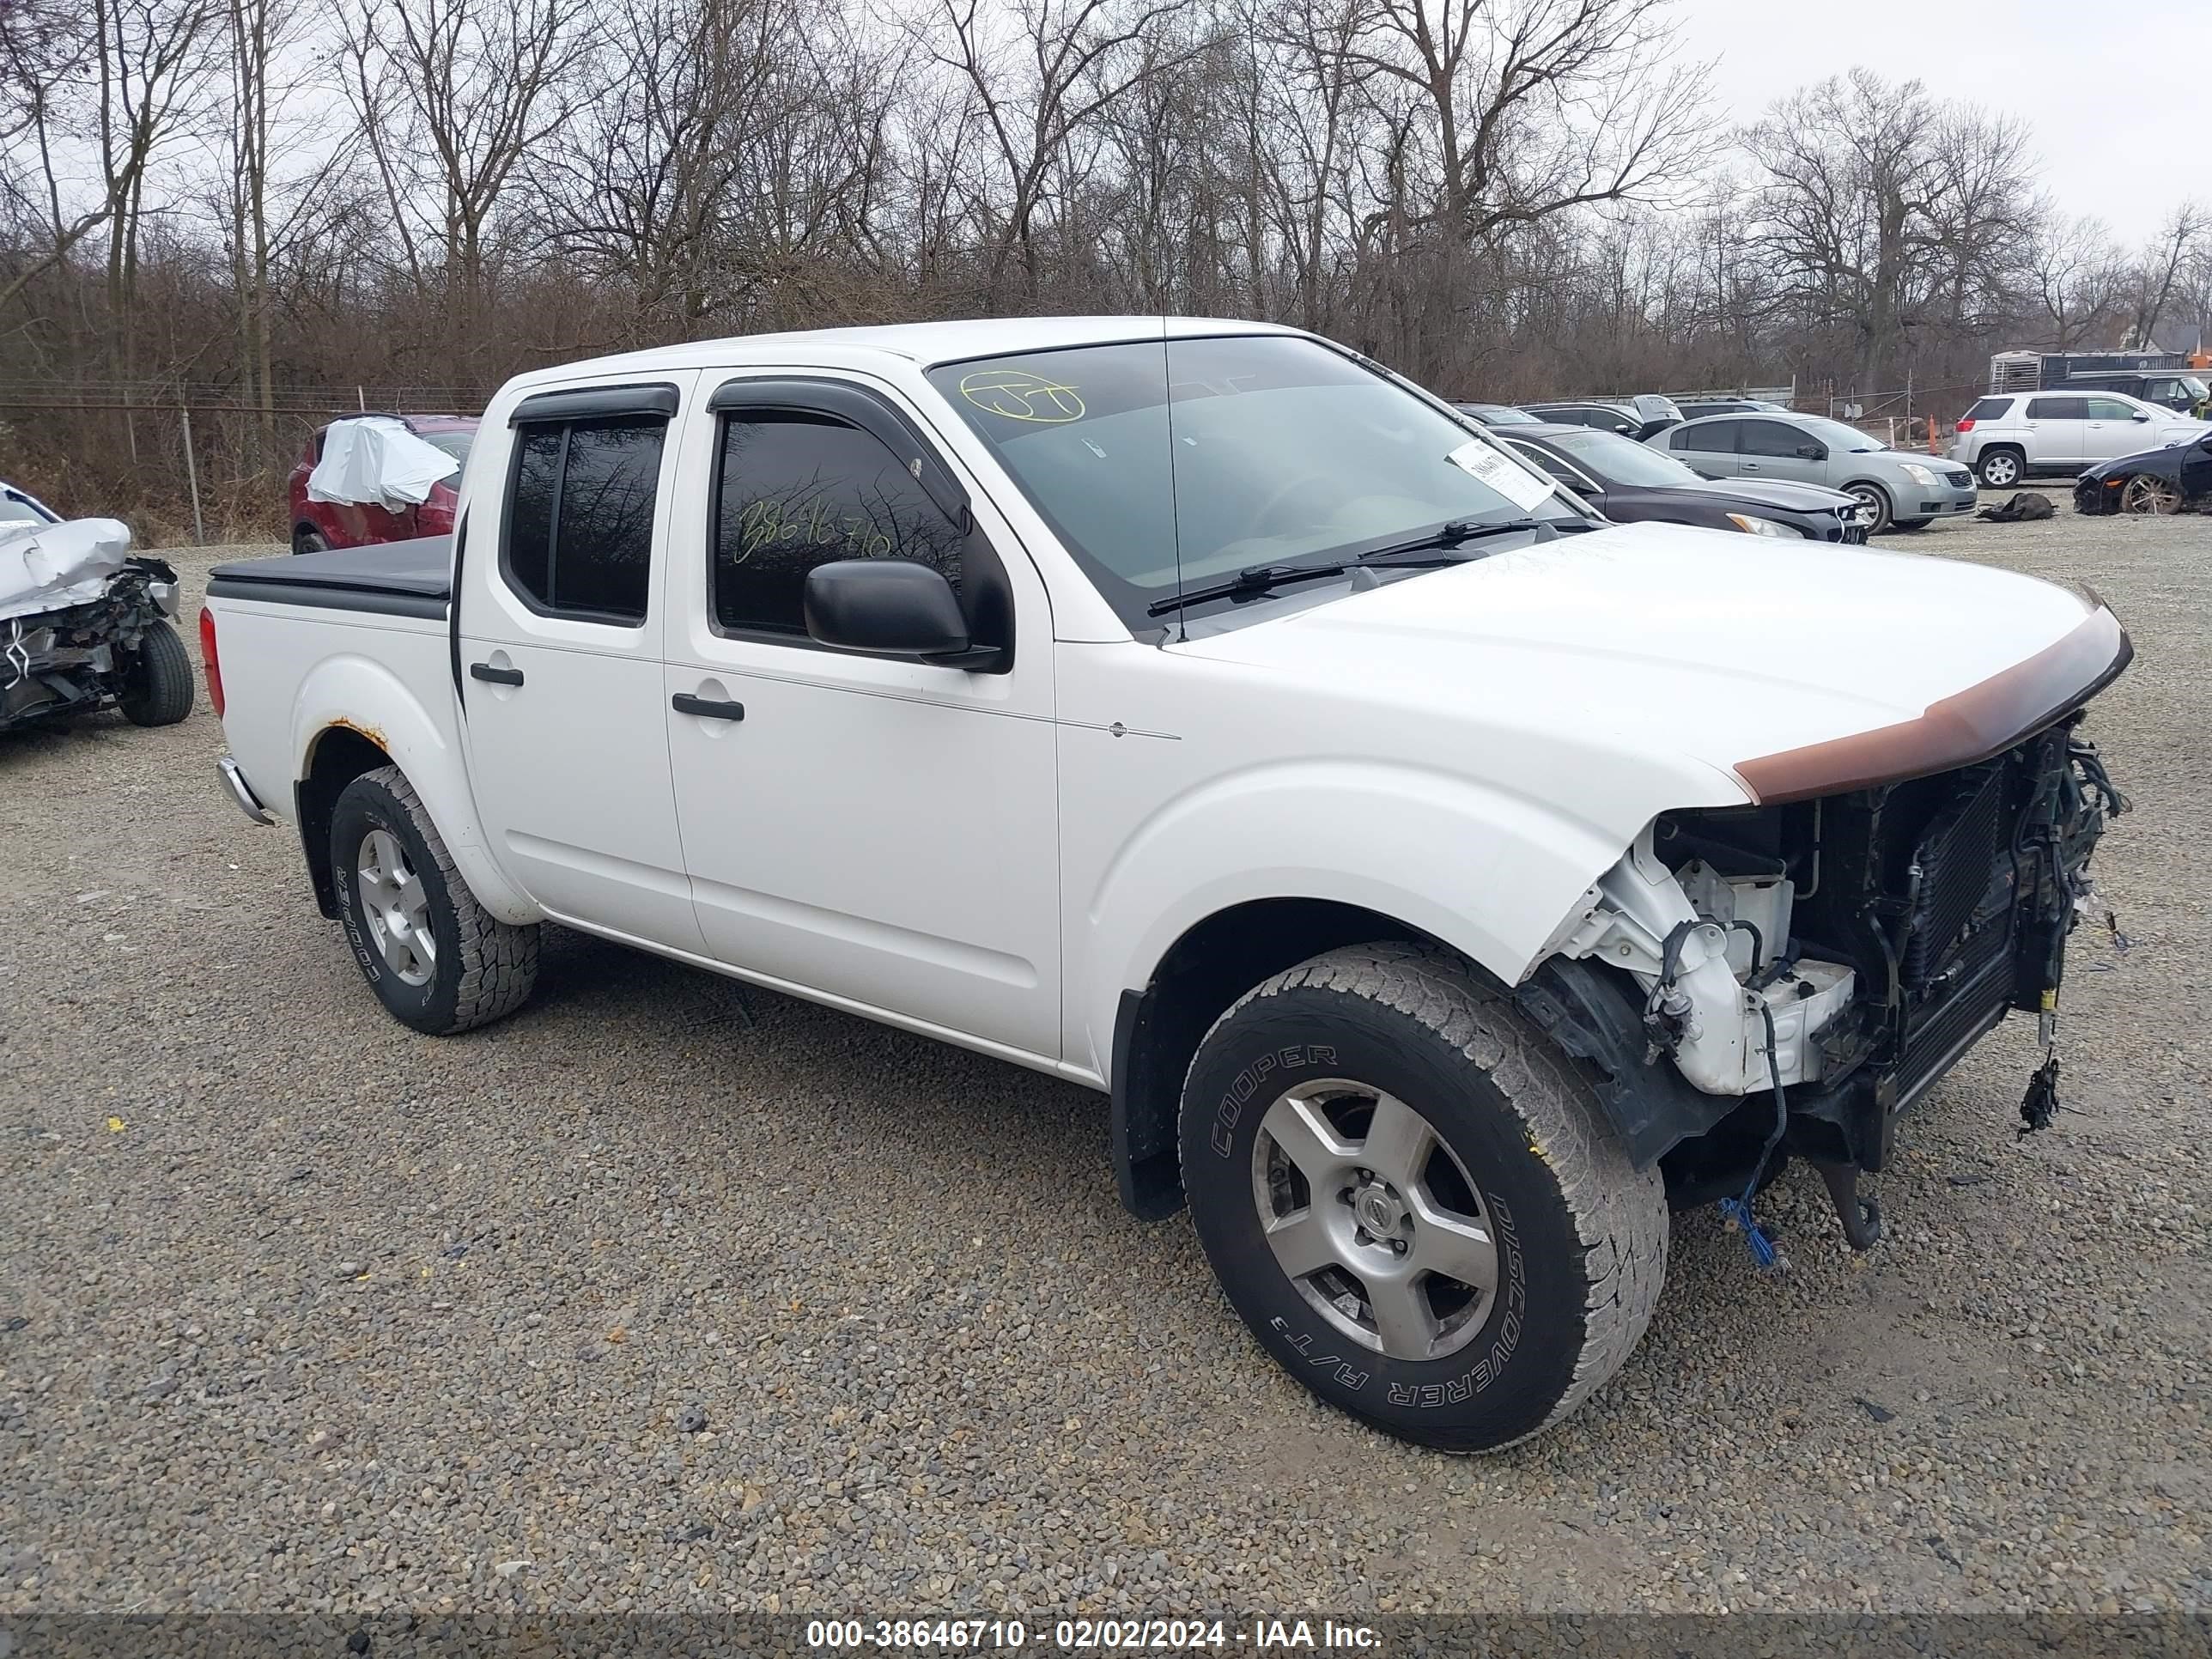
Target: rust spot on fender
{"points": [[374, 733]]}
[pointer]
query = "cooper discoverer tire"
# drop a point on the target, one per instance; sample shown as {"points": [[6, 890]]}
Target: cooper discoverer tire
{"points": [[157, 680], [1302, 1142], [437, 959]]}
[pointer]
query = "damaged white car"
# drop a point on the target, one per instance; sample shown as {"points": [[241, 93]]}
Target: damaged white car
{"points": [[84, 625]]}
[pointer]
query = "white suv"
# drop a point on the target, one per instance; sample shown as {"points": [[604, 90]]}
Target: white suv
{"points": [[2004, 439]]}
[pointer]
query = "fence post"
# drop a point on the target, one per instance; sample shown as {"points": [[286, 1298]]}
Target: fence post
{"points": [[192, 479]]}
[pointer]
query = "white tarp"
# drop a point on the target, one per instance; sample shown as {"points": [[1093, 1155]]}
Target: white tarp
{"points": [[375, 461], [45, 566]]}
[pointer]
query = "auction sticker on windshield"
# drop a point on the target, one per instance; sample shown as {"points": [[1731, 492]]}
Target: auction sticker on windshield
{"points": [[1516, 483]]}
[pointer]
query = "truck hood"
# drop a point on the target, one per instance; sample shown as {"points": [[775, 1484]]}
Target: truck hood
{"points": [[1794, 669]]}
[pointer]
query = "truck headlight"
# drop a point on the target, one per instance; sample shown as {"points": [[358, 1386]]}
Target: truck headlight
{"points": [[1920, 474], [1745, 522]]}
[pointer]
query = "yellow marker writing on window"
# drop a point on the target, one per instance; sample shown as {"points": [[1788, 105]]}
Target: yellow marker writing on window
{"points": [[1018, 395]]}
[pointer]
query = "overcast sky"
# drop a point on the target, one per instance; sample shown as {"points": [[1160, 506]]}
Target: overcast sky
{"points": [[2119, 96]]}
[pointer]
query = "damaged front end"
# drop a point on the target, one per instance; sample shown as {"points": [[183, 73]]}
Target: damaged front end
{"points": [[77, 657], [1756, 982]]}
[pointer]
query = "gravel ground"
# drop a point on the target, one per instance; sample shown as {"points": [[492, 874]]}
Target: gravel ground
{"points": [[304, 1311]]}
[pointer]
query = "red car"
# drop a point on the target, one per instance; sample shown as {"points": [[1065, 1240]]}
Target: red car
{"points": [[319, 525]]}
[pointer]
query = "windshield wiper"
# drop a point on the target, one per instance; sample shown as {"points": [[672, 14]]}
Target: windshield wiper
{"points": [[1257, 578], [1471, 530]]}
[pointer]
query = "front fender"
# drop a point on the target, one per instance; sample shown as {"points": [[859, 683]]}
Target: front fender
{"points": [[1486, 872], [354, 693]]}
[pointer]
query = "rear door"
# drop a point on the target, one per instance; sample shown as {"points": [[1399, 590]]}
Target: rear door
{"points": [[1706, 447], [880, 832], [559, 658], [2111, 429], [2054, 430]]}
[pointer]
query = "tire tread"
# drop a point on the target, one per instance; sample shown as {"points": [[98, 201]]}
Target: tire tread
{"points": [[1619, 1211], [499, 960]]}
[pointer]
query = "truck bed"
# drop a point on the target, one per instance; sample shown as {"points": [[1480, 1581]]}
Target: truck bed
{"points": [[392, 579]]}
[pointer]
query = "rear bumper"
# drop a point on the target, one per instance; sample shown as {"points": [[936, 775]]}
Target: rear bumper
{"points": [[242, 791]]}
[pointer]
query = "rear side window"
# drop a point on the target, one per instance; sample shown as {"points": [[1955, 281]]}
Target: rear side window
{"points": [[1989, 408], [2058, 409], [1711, 437], [798, 489], [579, 515]]}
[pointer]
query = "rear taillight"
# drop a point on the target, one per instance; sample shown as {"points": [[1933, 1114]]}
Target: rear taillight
{"points": [[1967, 424], [210, 661]]}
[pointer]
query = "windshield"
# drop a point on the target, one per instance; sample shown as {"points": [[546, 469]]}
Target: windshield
{"points": [[17, 508], [1285, 452], [2196, 388], [1836, 434], [1622, 460]]}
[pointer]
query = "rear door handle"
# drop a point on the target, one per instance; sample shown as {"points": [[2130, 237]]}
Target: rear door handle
{"points": [[484, 671], [706, 707]]}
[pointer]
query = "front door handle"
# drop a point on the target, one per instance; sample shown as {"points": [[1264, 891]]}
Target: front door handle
{"points": [[706, 707], [484, 671]]}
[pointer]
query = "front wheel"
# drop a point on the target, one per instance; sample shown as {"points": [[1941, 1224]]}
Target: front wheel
{"points": [[1874, 505], [435, 957], [1413, 1199], [157, 679], [2146, 492]]}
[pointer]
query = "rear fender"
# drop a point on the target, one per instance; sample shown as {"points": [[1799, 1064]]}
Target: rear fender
{"points": [[353, 693]]}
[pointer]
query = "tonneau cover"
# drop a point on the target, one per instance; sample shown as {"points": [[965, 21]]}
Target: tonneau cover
{"points": [[404, 579]]}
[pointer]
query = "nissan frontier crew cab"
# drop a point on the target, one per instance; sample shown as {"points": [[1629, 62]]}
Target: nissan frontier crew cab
{"points": [[1437, 880]]}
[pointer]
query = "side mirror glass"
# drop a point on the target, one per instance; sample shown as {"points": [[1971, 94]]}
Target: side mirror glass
{"points": [[886, 608]]}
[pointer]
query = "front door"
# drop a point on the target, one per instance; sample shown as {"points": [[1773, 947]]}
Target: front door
{"points": [[561, 662], [2112, 429], [1771, 451], [879, 832]]}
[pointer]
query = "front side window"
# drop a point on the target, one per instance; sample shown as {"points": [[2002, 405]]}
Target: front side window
{"points": [[1274, 450], [579, 515], [1773, 438], [2110, 408], [798, 490]]}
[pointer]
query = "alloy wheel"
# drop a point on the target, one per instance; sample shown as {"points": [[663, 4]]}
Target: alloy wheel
{"points": [[397, 908], [1374, 1218], [2146, 493]]}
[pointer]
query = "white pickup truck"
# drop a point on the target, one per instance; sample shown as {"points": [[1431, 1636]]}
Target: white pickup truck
{"points": [[1438, 880]]}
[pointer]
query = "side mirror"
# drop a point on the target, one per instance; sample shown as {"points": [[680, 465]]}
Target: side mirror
{"points": [[1811, 453], [2140, 415], [891, 608]]}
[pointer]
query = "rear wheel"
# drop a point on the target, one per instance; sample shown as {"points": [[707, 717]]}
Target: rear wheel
{"points": [[2147, 493], [1414, 1202], [2001, 469], [439, 960], [157, 679], [1873, 501]]}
